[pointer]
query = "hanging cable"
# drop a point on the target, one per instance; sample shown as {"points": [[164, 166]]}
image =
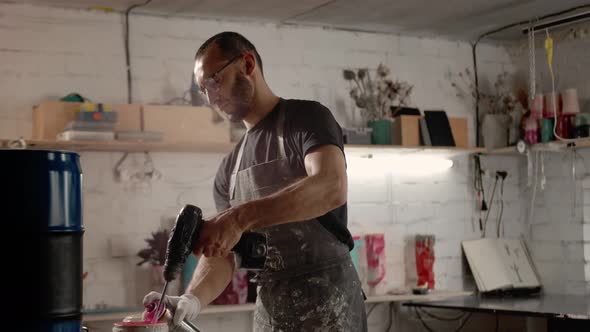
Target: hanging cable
{"points": [[535, 174], [464, 317], [532, 63], [127, 55], [499, 222], [371, 309], [390, 317], [448, 319], [485, 222]]}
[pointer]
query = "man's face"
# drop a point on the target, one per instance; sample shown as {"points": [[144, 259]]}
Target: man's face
{"points": [[224, 82]]}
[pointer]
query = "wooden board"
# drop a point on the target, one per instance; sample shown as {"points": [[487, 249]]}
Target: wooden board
{"points": [[406, 131], [51, 117], [186, 124]]}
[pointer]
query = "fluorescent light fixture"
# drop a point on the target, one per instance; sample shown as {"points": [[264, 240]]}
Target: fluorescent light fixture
{"points": [[412, 165]]}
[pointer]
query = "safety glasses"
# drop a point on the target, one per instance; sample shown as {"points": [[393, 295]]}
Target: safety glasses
{"points": [[213, 82]]}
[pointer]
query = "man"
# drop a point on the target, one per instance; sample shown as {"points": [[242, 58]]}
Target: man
{"points": [[286, 179]]}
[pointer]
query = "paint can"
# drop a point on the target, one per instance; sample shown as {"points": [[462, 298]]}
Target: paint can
{"points": [[145, 323], [140, 326]]}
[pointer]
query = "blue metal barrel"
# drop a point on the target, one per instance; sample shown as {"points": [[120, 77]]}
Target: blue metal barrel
{"points": [[42, 211]]}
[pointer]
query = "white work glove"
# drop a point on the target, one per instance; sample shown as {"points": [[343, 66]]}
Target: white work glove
{"points": [[186, 306]]}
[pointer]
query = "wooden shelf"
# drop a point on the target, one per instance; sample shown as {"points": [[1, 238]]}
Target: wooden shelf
{"points": [[118, 315], [443, 151], [125, 146], [435, 295], [553, 146]]}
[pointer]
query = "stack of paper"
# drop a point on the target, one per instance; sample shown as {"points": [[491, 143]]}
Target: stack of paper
{"points": [[500, 264]]}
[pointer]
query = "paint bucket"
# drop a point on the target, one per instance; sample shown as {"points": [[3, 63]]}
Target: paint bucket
{"points": [[144, 323], [132, 326]]}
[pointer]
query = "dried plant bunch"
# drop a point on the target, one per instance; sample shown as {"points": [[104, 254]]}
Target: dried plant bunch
{"points": [[155, 252], [505, 97], [376, 96]]}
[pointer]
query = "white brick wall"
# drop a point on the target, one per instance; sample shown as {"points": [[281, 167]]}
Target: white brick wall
{"points": [[557, 239], [47, 53], [557, 230]]}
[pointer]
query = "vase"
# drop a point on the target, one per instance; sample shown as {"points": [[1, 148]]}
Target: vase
{"points": [[381, 134], [494, 130], [514, 131]]}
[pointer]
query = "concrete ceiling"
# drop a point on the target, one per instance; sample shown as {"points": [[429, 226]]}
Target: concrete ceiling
{"points": [[458, 19]]}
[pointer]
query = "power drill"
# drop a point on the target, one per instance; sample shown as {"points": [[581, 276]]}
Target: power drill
{"points": [[251, 249]]}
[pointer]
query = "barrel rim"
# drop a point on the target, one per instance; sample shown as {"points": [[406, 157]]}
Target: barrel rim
{"points": [[42, 151]]}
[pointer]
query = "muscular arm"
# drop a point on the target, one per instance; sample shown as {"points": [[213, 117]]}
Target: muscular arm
{"points": [[211, 277], [324, 189]]}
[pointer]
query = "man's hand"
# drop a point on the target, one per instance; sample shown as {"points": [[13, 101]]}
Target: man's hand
{"points": [[186, 306], [219, 234]]}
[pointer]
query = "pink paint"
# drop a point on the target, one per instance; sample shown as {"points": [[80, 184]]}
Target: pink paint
{"points": [[425, 260], [149, 317], [150, 312]]}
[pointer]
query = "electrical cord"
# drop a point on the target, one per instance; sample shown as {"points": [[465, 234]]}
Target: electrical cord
{"points": [[479, 189], [371, 310], [499, 223], [422, 321], [535, 174], [429, 329], [502, 175], [127, 53], [448, 319], [497, 323], [390, 317], [485, 222]]}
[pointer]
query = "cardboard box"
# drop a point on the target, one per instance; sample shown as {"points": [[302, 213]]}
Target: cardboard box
{"points": [[460, 133], [179, 124], [186, 124], [405, 131], [51, 117]]}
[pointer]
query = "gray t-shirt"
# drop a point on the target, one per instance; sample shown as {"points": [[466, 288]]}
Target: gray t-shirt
{"points": [[307, 124]]}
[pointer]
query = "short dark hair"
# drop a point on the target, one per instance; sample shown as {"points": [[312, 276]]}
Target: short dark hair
{"points": [[231, 44]]}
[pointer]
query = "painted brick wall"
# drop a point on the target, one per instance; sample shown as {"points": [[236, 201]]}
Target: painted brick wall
{"points": [[559, 228], [47, 53]]}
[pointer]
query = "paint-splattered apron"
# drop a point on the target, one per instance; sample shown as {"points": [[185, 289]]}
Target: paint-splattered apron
{"points": [[309, 282]]}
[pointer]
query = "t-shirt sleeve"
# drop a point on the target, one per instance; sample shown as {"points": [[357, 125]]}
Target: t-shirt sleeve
{"points": [[314, 125], [221, 187]]}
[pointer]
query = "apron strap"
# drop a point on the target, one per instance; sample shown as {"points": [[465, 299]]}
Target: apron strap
{"points": [[281, 152], [280, 135], [234, 173]]}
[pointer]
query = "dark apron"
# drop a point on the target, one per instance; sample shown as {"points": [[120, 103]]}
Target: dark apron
{"points": [[309, 282]]}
